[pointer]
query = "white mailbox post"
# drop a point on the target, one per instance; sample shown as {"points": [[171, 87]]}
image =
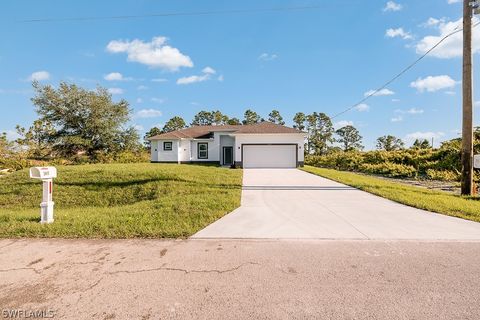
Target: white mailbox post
{"points": [[46, 174], [476, 161]]}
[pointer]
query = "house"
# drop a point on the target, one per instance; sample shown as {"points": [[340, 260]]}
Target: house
{"points": [[261, 145]]}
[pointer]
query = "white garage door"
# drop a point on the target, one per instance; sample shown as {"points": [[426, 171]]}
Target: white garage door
{"points": [[269, 156]]}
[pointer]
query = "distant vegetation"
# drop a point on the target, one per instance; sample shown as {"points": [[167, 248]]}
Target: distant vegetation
{"points": [[420, 161], [76, 126]]}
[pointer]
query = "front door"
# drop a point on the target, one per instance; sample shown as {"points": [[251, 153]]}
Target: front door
{"points": [[227, 155]]}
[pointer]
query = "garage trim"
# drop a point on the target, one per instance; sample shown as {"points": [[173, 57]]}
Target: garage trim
{"points": [[272, 144]]}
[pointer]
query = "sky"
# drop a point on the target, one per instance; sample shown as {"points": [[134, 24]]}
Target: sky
{"points": [[324, 58]]}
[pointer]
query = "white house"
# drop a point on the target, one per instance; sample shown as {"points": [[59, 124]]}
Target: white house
{"points": [[261, 145]]}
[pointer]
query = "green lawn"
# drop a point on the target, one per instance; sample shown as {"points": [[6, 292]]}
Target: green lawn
{"points": [[436, 201], [120, 201]]}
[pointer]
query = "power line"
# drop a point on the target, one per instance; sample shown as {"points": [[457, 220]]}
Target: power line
{"points": [[174, 14], [410, 66]]}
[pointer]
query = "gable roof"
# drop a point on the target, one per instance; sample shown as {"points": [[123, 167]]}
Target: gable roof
{"points": [[202, 131]]}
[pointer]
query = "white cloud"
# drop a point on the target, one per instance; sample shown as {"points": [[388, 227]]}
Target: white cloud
{"points": [[267, 57], [209, 70], [220, 78], [433, 83], [415, 111], [193, 79], [138, 127], [39, 76], [396, 119], [432, 22], [450, 47], [423, 135], [362, 107], [395, 100], [142, 87], [115, 76], [158, 100], [115, 90], [392, 6], [477, 104], [12, 135], [155, 54], [342, 123], [450, 93], [139, 100], [159, 80], [207, 73], [148, 113], [454, 1], [383, 92], [399, 32]]}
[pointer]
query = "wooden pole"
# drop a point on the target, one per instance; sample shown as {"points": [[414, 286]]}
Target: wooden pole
{"points": [[467, 121]]}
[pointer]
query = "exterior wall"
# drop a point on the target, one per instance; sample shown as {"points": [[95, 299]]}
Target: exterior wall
{"points": [[159, 155], [212, 150], [295, 138]]}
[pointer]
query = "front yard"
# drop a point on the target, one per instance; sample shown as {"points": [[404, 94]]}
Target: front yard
{"points": [[422, 198], [120, 201]]}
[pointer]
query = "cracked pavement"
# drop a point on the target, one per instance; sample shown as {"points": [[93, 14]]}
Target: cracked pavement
{"points": [[238, 279]]}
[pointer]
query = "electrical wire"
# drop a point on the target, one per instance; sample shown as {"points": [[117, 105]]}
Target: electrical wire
{"points": [[410, 66], [174, 14]]}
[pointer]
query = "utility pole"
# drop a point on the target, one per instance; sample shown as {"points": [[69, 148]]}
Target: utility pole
{"points": [[467, 121]]}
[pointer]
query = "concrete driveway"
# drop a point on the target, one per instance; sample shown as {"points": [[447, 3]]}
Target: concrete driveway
{"points": [[293, 204]]}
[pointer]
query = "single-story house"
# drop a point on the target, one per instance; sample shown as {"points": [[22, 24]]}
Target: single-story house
{"points": [[261, 145]]}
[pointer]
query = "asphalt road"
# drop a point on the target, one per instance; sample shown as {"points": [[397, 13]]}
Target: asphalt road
{"points": [[293, 204], [241, 279]]}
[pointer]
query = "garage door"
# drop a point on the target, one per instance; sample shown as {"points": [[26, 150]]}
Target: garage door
{"points": [[269, 156]]}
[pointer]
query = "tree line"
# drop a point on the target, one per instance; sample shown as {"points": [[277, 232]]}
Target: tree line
{"points": [[321, 134], [77, 123]]}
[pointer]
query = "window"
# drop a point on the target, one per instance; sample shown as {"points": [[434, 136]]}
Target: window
{"points": [[202, 151], [167, 146]]}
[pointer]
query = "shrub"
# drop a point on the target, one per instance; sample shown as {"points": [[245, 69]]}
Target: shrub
{"points": [[389, 169], [443, 175]]}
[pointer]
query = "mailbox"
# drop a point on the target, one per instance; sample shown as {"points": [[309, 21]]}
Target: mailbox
{"points": [[43, 172], [46, 174], [476, 161]]}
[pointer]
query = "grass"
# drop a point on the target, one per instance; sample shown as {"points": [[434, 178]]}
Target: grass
{"points": [[435, 201], [120, 201]]}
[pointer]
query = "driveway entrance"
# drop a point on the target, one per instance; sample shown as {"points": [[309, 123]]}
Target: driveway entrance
{"points": [[293, 204]]}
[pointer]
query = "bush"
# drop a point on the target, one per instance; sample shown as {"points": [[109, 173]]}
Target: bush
{"points": [[389, 169], [443, 175], [440, 164]]}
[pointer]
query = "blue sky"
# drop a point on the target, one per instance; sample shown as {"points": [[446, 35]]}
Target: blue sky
{"points": [[323, 59]]}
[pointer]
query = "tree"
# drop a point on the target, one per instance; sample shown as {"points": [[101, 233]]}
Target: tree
{"points": [[234, 121], [320, 133], [37, 140], [275, 117], [251, 117], [389, 143], [350, 138], [421, 144], [151, 133], [175, 123], [203, 118], [299, 121], [219, 118], [84, 121]]}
